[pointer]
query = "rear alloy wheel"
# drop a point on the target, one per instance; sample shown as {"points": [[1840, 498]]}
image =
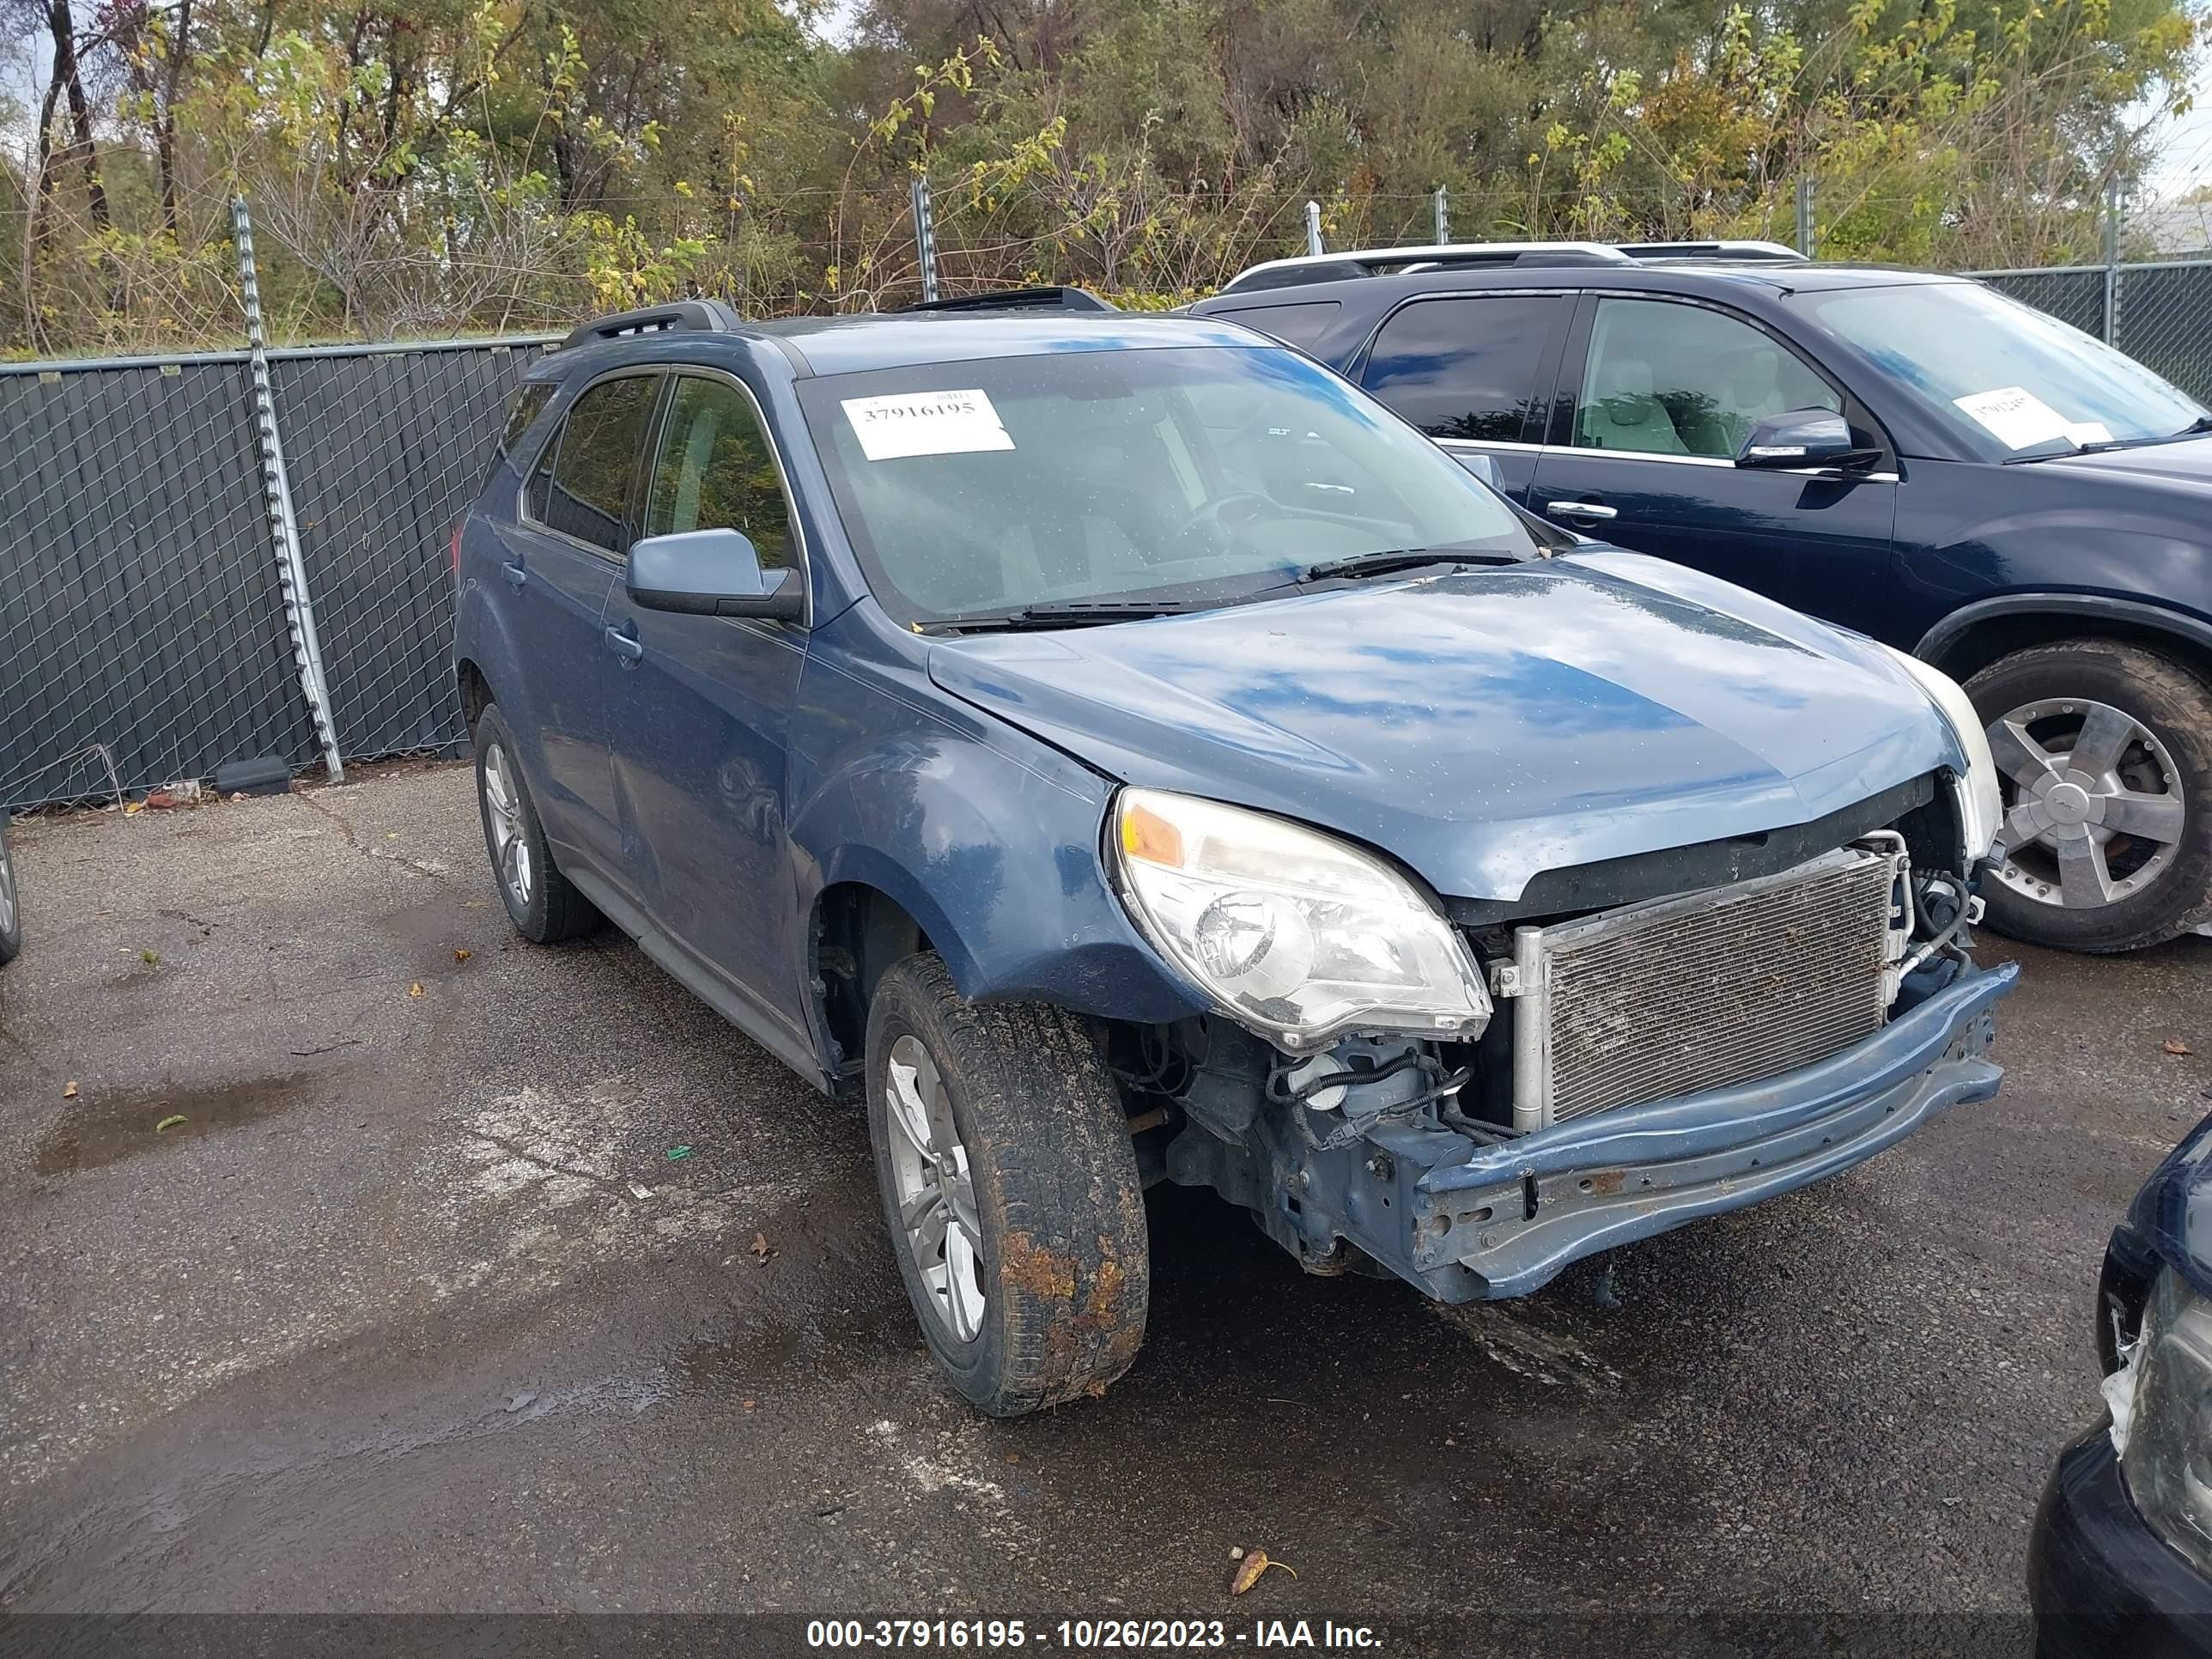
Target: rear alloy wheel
{"points": [[1010, 1190], [540, 901], [2106, 753]]}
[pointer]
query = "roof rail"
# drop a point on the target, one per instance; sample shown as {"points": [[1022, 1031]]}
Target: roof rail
{"points": [[711, 315], [1446, 256], [1755, 252], [1019, 299]]}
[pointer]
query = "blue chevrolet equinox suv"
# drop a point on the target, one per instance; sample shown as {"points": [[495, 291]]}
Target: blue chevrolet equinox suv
{"points": [[1917, 457], [1119, 749]]}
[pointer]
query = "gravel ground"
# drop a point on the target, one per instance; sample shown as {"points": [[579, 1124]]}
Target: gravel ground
{"points": [[416, 1309]]}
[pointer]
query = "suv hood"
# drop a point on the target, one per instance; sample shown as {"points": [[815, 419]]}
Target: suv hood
{"points": [[1484, 726], [2187, 462]]}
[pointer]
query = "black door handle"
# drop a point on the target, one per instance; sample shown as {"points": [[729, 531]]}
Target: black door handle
{"points": [[515, 574], [623, 646]]}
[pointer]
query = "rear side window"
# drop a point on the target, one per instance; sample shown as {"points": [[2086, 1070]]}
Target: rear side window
{"points": [[528, 403], [715, 471], [1299, 325], [1466, 367], [587, 493]]}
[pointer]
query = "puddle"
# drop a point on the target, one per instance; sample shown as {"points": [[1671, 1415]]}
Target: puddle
{"points": [[105, 1126]]}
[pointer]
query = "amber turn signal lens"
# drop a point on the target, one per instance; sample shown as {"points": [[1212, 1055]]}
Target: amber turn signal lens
{"points": [[1145, 835]]}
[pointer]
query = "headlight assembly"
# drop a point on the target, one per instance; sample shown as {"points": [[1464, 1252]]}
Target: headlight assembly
{"points": [[1981, 808], [2167, 1458], [1294, 934]]}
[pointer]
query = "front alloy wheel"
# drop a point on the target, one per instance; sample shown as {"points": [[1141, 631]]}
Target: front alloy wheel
{"points": [[936, 1196], [1009, 1189]]}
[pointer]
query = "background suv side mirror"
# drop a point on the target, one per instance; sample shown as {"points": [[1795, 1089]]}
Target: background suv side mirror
{"points": [[1803, 437], [1484, 467], [712, 573]]}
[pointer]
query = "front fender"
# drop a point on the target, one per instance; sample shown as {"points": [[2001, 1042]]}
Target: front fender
{"points": [[990, 840]]}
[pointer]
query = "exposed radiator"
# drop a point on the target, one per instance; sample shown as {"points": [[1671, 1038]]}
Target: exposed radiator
{"points": [[1723, 987]]}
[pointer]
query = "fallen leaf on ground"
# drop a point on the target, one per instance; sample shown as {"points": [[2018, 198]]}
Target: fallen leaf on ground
{"points": [[132, 809], [762, 1249], [463, 956], [1249, 1569], [171, 1121], [68, 1089], [162, 801], [2176, 1045], [749, 1404], [1096, 1390], [151, 958], [416, 989]]}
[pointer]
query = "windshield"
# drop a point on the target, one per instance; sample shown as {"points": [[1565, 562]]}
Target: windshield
{"points": [[2001, 371], [1174, 476]]}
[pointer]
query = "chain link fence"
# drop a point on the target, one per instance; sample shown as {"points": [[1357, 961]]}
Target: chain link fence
{"points": [[2159, 312], [139, 592], [150, 636]]}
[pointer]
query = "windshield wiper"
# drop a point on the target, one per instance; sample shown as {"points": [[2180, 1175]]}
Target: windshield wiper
{"points": [[1403, 558], [1075, 614], [2201, 424]]}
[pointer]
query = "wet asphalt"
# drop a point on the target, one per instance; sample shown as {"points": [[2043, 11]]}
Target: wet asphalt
{"points": [[422, 1305]]}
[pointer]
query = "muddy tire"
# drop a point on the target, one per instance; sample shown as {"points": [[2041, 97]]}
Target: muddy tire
{"points": [[2112, 852], [1010, 1188], [11, 909], [541, 901]]}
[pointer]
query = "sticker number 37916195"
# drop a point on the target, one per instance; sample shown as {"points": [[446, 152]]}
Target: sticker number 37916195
{"points": [[925, 423]]}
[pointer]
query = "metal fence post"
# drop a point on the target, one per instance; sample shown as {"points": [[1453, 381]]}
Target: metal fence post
{"points": [[1444, 217], [284, 529], [1805, 213], [924, 238], [1313, 228], [2112, 258]]}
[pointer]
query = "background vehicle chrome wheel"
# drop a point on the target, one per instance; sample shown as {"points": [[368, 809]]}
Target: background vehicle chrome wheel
{"points": [[936, 1193], [2106, 751], [510, 847], [2094, 804]]}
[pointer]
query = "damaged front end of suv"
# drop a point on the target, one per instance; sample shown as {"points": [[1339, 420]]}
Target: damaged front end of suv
{"points": [[1472, 1093], [1473, 1101]]}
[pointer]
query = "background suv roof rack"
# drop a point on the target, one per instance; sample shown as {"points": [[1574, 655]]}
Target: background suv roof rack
{"points": [[1752, 252], [1464, 256], [1435, 256], [709, 314], [1019, 299]]}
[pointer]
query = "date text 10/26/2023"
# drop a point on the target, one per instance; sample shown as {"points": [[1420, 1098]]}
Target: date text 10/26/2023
{"points": [[1092, 1635]]}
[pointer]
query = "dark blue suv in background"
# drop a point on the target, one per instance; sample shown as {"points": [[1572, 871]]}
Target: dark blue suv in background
{"points": [[1917, 457], [1119, 749]]}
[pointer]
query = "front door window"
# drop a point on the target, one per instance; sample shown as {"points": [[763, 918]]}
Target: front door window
{"points": [[1662, 378]]}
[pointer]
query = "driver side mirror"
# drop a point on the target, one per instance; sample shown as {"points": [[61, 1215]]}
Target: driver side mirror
{"points": [[1803, 438], [712, 573]]}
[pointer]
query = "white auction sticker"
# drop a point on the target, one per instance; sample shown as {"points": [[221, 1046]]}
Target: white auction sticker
{"points": [[925, 423], [2017, 417]]}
